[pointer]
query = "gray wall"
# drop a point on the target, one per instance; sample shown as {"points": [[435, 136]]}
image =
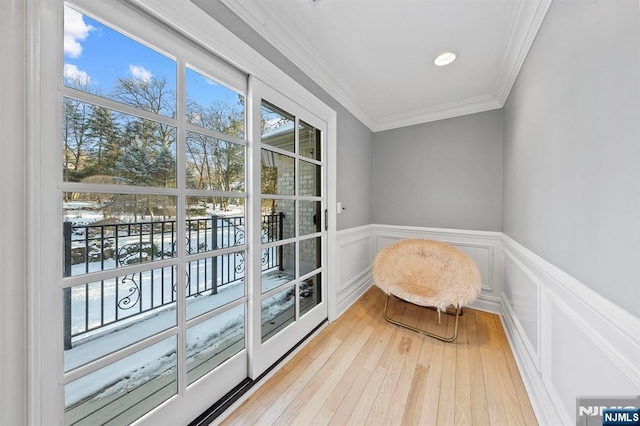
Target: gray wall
{"points": [[354, 138], [444, 174], [572, 147]]}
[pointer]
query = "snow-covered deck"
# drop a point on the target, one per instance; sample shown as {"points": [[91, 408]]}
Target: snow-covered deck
{"points": [[129, 388]]}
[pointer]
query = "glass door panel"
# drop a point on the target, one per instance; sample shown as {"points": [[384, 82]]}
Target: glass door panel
{"points": [[278, 266], [310, 141], [278, 311], [212, 342], [278, 219], [310, 217], [121, 392], [310, 179], [310, 293], [310, 255], [278, 173], [153, 184], [290, 288], [277, 127], [215, 227]]}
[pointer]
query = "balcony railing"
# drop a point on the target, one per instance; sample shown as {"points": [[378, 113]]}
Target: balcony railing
{"points": [[99, 247]]}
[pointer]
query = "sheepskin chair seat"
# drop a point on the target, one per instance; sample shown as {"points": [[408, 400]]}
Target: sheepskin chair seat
{"points": [[427, 273]]}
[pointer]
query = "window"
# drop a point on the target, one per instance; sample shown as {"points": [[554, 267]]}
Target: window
{"points": [[153, 199]]}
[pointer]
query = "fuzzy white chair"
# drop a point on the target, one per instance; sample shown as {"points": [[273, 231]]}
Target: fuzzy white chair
{"points": [[427, 273]]}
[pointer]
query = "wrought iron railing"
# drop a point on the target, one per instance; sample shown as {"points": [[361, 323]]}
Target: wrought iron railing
{"points": [[99, 247]]}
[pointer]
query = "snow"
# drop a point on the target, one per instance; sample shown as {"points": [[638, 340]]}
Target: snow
{"points": [[159, 359]]}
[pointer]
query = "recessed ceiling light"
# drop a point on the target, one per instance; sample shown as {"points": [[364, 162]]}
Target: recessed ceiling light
{"points": [[444, 59]]}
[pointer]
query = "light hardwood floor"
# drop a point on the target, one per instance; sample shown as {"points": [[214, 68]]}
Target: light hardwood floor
{"points": [[363, 370]]}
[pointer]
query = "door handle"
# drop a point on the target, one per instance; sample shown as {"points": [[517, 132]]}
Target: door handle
{"points": [[326, 219]]}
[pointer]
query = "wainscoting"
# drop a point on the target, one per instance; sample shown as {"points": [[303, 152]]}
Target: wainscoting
{"points": [[568, 340], [355, 254], [358, 246], [481, 246]]}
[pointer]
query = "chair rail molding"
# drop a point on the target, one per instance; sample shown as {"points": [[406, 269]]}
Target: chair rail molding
{"points": [[568, 340]]}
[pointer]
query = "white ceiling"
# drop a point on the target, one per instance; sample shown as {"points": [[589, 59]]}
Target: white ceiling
{"points": [[376, 56]]}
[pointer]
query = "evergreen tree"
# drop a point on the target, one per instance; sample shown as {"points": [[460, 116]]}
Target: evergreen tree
{"points": [[104, 134], [134, 165], [163, 169], [75, 134]]}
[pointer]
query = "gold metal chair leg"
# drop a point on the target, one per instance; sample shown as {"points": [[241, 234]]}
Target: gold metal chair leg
{"points": [[426, 333]]}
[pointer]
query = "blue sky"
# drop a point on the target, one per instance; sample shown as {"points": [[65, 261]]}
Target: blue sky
{"points": [[98, 55]]}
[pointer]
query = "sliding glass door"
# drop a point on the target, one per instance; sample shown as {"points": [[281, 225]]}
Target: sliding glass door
{"points": [[192, 213], [153, 195]]}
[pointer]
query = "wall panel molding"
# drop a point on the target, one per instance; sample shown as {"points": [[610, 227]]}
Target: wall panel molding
{"points": [[573, 342], [354, 256], [485, 247]]}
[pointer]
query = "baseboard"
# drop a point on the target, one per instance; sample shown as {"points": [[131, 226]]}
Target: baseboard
{"points": [[487, 304], [354, 291], [568, 340]]}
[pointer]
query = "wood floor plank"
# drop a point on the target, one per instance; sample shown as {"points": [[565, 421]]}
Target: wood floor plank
{"points": [[447, 400], [385, 393], [414, 316], [508, 393], [362, 370], [285, 396], [418, 393], [311, 399], [353, 373], [363, 407], [341, 414], [311, 405], [429, 411], [398, 401], [490, 372], [265, 396], [478, 395], [524, 411], [383, 335], [357, 311], [392, 360], [462, 410]]}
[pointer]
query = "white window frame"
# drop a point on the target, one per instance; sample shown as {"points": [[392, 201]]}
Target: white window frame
{"points": [[45, 22]]}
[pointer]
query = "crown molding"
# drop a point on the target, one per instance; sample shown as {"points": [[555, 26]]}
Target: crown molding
{"points": [[527, 23], [441, 112], [296, 50], [528, 18]]}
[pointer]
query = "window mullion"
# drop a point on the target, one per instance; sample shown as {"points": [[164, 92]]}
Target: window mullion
{"points": [[90, 98], [181, 228], [296, 223]]}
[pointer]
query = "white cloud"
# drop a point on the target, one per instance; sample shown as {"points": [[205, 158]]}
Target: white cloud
{"points": [[75, 31], [210, 82], [140, 73], [73, 73]]}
